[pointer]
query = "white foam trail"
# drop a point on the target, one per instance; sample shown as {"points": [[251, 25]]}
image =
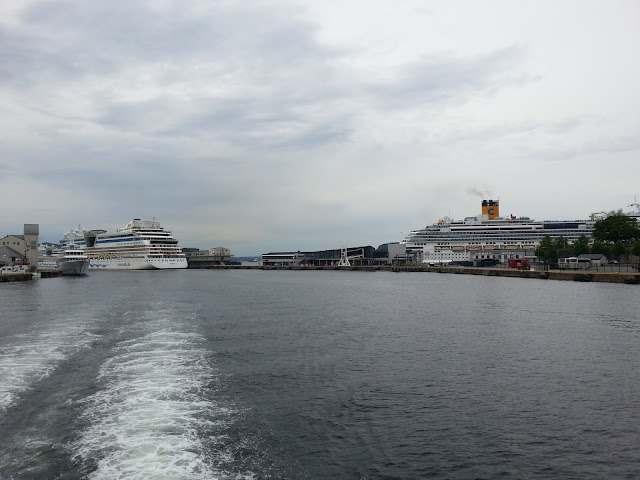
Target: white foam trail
{"points": [[27, 359], [148, 417]]}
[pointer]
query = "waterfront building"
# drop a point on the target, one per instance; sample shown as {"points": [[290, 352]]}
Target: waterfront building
{"points": [[287, 259], [11, 249], [202, 258], [19, 247], [362, 255]]}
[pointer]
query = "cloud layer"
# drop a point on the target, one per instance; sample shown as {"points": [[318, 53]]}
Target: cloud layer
{"points": [[287, 125]]}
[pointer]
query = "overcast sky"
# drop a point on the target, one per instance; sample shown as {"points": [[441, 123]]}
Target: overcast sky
{"points": [[303, 125]]}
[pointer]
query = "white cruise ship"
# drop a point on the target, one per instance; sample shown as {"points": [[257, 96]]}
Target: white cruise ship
{"points": [[489, 236], [140, 245]]}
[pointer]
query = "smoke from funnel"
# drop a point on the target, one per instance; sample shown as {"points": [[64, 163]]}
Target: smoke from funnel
{"points": [[479, 193]]}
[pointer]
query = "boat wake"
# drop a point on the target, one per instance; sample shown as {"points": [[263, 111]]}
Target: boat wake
{"points": [[28, 358], [153, 411]]}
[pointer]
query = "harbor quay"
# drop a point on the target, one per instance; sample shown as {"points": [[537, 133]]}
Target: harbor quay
{"points": [[575, 276], [25, 276], [629, 278], [15, 276]]}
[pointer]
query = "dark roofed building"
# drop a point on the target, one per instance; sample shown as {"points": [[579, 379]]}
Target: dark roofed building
{"points": [[596, 259]]}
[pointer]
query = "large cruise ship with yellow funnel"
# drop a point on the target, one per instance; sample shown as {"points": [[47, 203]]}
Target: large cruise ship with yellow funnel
{"points": [[489, 236]]}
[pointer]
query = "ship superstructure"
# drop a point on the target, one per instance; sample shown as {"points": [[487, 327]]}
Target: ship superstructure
{"points": [[140, 245], [489, 236]]}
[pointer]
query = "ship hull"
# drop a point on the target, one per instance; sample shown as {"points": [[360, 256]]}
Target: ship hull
{"points": [[138, 264], [74, 267]]}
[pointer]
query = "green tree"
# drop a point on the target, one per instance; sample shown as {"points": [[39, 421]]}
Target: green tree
{"points": [[547, 249], [635, 250], [618, 249], [599, 247], [581, 246], [617, 227], [561, 243], [562, 247]]}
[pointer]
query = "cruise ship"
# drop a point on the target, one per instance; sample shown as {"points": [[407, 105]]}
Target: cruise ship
{"points": [[140, 245], [489, 236]]}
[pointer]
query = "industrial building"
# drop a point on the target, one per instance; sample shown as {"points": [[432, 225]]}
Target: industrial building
{"points": [[203, 258], [21, 248], [386, 254]]}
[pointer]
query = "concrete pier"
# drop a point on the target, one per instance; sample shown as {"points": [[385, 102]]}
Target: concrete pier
{"points": [[607, 277], [16, 277], [50, 273], [575, 276]]}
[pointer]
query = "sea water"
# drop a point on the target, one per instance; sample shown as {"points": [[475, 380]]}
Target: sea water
{"points": [[200, 374]]}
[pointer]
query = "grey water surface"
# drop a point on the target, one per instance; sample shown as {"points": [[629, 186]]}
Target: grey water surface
{"points": [[238, 374]]}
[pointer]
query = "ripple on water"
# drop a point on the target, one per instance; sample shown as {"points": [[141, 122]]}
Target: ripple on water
{"points": [[28, 358]]}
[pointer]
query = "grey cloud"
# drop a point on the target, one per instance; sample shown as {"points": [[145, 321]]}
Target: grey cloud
{"points": [[256, 43], [607, 146], [521, 128], [568, 124], [272, 56], [239, 100], [439, 78], [101, 36], [254, 125], [493, 132], [242, 122], [163, 187]]}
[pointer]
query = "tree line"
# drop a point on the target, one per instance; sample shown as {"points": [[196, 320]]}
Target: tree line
{"points": [[615, 236]]}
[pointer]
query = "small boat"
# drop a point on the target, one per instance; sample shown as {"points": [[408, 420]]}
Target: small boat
{"points": [[19, 266], [73, 261]]}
